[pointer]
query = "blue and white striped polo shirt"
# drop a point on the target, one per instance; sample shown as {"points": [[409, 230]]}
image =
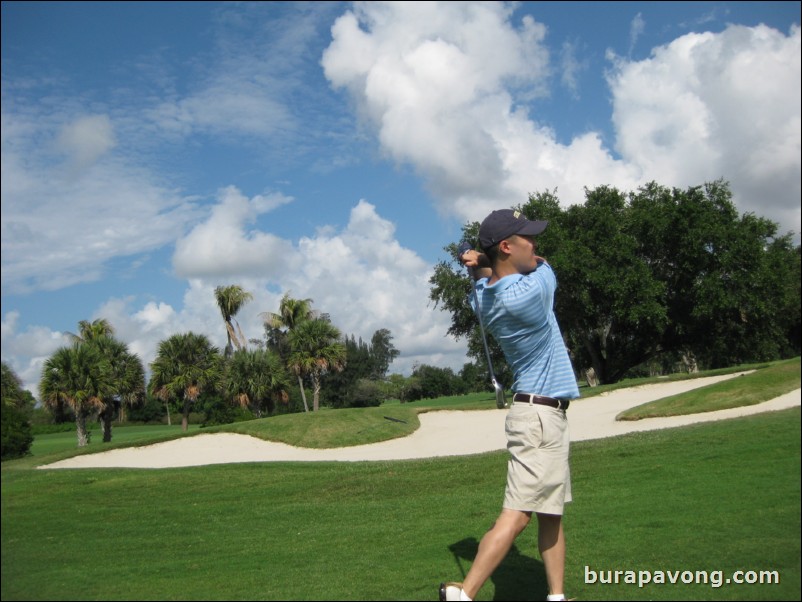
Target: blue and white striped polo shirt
{"points": [[518, 311]]}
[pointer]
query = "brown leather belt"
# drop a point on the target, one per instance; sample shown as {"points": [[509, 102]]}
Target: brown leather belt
{"points": [[552, 402]]}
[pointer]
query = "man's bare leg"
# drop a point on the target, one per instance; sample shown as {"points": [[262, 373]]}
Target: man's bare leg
{"points": [[495, 545], [551, 544]]}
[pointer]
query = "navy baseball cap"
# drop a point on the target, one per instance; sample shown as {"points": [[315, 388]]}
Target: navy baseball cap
{"points": [[503, 223]]}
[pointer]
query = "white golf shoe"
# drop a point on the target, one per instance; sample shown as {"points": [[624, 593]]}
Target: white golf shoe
{"points": [[450, 591]]}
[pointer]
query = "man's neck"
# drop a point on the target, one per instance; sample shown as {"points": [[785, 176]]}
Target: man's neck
{"points": [[500, 270]]}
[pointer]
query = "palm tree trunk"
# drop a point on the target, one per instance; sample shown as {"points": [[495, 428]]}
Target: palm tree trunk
{"points": [[106, 418], [80, 425], [185, 415], [303, 393], [315, 391], [229, 347]]}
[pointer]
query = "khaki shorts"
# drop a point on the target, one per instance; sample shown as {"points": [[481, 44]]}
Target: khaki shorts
{"points": [[538, 475]]}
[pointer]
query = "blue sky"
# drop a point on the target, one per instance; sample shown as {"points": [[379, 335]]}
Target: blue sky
{"points": [[152, 151]]}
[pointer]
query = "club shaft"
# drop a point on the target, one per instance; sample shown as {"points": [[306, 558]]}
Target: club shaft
{"points": [[482, 326]]}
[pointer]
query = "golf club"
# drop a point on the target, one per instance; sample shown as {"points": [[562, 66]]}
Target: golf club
{"points": [[501, 401]]}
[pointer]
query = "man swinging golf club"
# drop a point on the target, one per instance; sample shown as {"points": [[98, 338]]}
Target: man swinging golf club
{"points": [[515, 299]]}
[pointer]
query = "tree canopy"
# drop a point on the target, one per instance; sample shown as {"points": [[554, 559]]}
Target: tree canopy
{"points": [[230, 299], [186, 365]]}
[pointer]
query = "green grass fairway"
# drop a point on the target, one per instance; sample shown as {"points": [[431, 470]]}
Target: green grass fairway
{"points": [[720, 496]]}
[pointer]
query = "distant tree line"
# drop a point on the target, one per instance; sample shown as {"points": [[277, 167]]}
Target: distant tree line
{"points": [[96, 378]]}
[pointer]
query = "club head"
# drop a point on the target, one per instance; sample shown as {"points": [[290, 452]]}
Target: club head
{"points": [[501, 401]]}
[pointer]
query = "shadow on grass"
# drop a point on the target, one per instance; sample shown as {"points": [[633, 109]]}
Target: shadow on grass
{"points": [[518, 577]]}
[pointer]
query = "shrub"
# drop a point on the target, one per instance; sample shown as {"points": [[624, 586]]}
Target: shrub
{"points": [[152, 411], [216, 411], [366, 393], [15, 433]]}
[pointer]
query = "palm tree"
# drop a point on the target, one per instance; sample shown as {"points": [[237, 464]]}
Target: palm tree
{"points": [[185, 366], [128, 375], [92, 330], [127, 370], [230, 299], [256, 377], [81, 377], [291, 313], [315, 349]]}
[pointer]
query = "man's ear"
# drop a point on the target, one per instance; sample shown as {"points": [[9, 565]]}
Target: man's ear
{"points": [[504, 246]]}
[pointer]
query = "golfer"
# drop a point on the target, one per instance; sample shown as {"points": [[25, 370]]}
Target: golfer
{"points": [[515, 295]]}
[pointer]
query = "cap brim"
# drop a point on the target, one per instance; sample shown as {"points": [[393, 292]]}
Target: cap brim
{"points": [[533, 228]]}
